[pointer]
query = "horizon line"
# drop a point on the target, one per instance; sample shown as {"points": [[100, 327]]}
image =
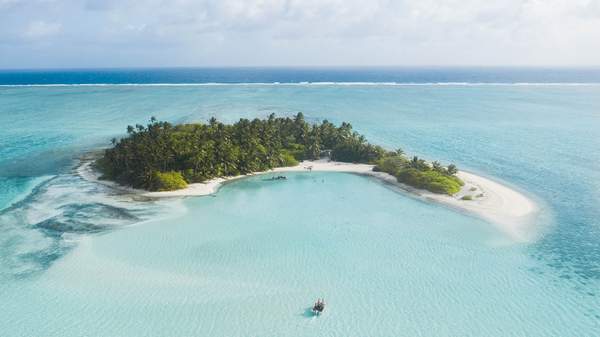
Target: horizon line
{"points": [[483, 67], [306, 83]]}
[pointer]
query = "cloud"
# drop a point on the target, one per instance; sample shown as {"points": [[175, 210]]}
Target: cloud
{"points": [[41, 29], [99, 5], [294, 32], [9, 3]]}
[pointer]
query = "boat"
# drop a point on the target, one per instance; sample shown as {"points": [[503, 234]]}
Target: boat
{"points": [[318, 307], [277, 178]]}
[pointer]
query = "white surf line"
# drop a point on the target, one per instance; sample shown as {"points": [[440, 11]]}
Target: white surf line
{"points": [[398, 84]]}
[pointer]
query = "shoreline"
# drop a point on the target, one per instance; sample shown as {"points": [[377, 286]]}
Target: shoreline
{"points": [[509, 210]]}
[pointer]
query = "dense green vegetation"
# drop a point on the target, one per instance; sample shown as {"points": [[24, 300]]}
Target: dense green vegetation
{"points": [[160, 156], [418, 173], [166, 181]]}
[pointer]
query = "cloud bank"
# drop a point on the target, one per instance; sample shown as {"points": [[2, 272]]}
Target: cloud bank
{"points": [[97, 33]]}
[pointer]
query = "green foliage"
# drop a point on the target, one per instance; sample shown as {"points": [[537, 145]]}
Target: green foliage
{"points": [[296, 150], [452, 170], [467, 197], [357, 150], [161, 156], [204, 151], [418, 173], [166, 181], [430, 180], [287, 159], [392, 164], [313, 143]]}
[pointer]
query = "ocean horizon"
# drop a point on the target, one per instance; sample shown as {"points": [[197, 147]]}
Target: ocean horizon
{"points": [[304, 75]]}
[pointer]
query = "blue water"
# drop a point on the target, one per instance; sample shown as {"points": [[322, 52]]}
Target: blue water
{"points": [[299, 75], [88, 258]]}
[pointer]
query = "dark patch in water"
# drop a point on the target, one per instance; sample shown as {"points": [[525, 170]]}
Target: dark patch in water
{"points": [[572, 247], [29, 248], [85, 218], [40, 260], [18, 264], [40, 188]]}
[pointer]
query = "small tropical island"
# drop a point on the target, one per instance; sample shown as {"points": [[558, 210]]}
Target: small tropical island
{"points": [[161, 156], [162, 160]]}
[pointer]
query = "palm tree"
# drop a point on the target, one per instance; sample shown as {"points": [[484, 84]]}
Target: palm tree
{"points": [[202, 151], [452, 169], [438, 167]]}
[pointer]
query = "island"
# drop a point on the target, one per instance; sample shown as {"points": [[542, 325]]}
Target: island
{"points": [[161, 156], [161, 160]]}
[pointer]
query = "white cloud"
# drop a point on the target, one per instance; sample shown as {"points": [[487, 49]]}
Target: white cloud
{"points": [[41, 29], [4, 4], [405, 32]]}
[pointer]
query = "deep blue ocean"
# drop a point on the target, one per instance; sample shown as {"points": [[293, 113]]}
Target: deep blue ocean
{"points": [[77, 250], [423, 75]]}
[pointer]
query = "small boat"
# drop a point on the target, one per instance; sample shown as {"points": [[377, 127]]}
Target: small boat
{"points": [[319, 307], [277, 178]]}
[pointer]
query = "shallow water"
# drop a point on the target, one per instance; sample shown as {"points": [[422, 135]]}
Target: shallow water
{"points": [[252, 259]]}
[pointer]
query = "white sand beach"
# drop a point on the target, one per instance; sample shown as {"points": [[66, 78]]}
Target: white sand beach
{"points": [[510, 210]]}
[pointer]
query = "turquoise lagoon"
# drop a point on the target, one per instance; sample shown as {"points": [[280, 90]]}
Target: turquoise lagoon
{"points": [[80, 259]]}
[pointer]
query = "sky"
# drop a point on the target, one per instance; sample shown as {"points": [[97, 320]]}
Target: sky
{"points": [[155, 33]]}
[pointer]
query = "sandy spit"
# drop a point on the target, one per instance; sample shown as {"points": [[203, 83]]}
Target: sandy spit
{"points": [[511, 211]]}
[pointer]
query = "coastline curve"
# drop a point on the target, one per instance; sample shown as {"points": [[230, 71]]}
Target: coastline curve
{"points": [[509, 210]]}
